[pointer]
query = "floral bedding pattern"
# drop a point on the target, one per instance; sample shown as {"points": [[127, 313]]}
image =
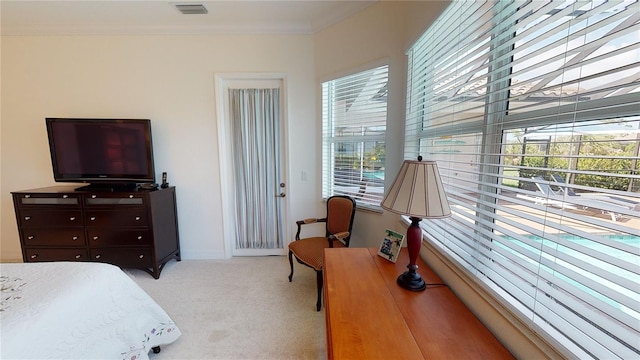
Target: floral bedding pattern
{"points": [[135, 354], [71, 310], [10, 288]]}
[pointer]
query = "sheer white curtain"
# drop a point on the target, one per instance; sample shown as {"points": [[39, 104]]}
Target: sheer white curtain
{"points": [[255, 127]]}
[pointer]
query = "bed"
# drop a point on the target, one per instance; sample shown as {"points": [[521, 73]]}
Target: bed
{"points": [[78, 310]]}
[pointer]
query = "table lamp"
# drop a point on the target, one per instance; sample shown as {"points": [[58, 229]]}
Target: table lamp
{"points": [[417, 192]]}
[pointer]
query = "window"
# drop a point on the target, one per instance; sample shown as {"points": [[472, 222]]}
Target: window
{"points": [[354, 122], [532, 111]]}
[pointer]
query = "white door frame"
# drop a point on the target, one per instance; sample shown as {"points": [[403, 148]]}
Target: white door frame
{"points": [[222, 81]]}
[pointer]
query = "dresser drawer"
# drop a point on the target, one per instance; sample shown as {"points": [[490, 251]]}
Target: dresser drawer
{"points": [[53, 236], [140, 257], [49, 218], [58, 200], [70, 254], [99, 237], [111, 200], [121, 217]]}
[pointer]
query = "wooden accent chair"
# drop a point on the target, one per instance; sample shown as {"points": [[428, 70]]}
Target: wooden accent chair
{"points": [[309, 251]]}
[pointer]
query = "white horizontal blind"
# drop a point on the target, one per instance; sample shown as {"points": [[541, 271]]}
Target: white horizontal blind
{"points": [[532, 111], [354, 122]]}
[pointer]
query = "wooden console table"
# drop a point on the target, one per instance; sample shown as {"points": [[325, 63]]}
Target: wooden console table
{"points": [[370, 317]]}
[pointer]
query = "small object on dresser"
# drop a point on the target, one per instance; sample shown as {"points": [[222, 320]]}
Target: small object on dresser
{"points": [[164, 184], [148, 186], [391, 245]]}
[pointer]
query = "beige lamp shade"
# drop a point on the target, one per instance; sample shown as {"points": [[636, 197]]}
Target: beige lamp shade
{"points": [[417, 191]]}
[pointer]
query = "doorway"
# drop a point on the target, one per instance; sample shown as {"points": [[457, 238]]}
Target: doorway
{"points": [[252, 144]]}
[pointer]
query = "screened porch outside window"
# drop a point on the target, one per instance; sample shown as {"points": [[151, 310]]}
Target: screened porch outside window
{"points": [[354, 120], [532, 110]]}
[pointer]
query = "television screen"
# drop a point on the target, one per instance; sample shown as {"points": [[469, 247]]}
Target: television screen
{"points": [[101, 151]]}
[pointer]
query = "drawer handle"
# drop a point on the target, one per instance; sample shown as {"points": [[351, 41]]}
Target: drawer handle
{"points": [[141, 256], [130, 196], [137, 218], [78, 256], [139, 237], [92, 218], [30, 237], [33, 256], [27, 196], [98, 256], [65, 196], [27, 218], [74, 238], [93, 196], [95, 238], [72, 218]]}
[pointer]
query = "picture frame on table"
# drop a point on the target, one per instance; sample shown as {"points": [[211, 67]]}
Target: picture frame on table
{"points": [[391, 245]]}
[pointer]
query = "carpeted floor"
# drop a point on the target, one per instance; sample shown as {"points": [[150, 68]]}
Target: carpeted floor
{"points": [[241, 308]]}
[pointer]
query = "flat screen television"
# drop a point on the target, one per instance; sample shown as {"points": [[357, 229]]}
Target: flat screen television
{"points": [[106, 153]]}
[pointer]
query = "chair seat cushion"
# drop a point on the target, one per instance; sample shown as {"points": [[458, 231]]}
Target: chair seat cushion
{"points": [[310, 250]]}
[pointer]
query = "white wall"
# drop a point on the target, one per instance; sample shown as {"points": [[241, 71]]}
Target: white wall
{"points": [[379, 34], [386, 31], [168, 79]]}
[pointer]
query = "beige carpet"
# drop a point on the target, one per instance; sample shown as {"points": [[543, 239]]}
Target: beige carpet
{"points": [[241, 308]]}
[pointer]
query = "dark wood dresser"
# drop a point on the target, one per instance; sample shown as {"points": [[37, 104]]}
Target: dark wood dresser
{"points": [[135, 229]]}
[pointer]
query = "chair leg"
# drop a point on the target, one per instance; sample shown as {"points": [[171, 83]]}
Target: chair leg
{"points": [[291, 264], [319, 281]]}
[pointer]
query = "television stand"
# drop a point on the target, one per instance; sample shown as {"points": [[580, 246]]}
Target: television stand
{"points": [[133, 229], [109, 187]]}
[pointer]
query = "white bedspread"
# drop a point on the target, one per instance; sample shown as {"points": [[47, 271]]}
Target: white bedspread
{"points": [[78, 310]]}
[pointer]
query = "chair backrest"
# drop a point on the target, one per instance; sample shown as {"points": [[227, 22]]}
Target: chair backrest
{"points": [[542, 187], [340, 213], [562, 184]]}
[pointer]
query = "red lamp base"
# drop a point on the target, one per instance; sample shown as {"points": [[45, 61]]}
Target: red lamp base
{"points": [[410, 279]]}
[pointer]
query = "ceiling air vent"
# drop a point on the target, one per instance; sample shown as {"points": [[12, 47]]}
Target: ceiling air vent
{"points": [[191, 9]]}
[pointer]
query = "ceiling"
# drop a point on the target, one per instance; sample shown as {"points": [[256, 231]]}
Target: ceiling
{"points": [[23, 17]]}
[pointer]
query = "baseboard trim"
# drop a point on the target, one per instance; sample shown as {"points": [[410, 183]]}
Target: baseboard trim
{"points": [[202, 255]]}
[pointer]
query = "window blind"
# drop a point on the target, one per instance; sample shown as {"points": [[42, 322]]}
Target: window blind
{"points": [[532, 111], [354, 120]]}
